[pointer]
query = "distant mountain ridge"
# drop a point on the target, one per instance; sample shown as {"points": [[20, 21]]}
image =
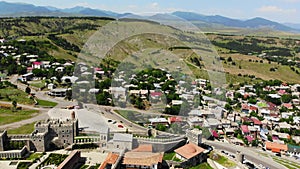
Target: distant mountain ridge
{"points": [[250, 23], [22, 9]]}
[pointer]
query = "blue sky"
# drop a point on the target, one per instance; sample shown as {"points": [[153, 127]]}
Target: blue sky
{"points": [[276, 10]]}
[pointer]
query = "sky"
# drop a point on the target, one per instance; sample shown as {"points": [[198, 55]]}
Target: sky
{"points": [[284, 11]]}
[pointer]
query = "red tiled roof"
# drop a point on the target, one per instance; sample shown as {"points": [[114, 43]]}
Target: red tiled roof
{"points": [[37, 63], [189, 150], [215, 134], [253, 108], [256, 121], [156, 94], [244, 128], [143, 148], [287, 105], [142, 158], [175, 119], [245, 106], [249, 138], [110, 159], [271, 105], [281, 92]]}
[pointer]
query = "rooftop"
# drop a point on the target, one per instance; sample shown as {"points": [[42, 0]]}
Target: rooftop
{"points": [[143, 148], [142, 158], [189, 150], [276, 146], [110, 159]]}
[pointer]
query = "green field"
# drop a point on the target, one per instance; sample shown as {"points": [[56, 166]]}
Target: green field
{"points": [[8, 116], [204, 165], [38, 84], [25, 129], [221, 160], [286, 163], [9, 94], [260, 70], [34, 156], [45, 103]]}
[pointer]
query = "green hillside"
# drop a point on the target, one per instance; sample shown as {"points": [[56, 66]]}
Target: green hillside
{"points": [[64, 38]]}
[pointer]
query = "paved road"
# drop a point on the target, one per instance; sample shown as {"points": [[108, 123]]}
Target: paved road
{"points": [[249, 154], [109, 113], [43, 112]]}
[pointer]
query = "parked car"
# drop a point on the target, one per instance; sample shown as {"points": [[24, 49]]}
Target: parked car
{"points": [[120, 126]]}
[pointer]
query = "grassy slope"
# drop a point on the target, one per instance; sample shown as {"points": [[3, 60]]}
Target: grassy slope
{"points": [[8, 116], [260, 70], [134, 44], [25, 129], [9, 94]]}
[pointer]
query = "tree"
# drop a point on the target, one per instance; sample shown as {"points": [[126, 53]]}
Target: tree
{"points": [[14, 104], [286, 98], [28, 90], [161, 127], [69, 95], [228, 107]]}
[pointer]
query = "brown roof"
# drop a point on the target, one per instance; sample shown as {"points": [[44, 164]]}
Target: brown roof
{"points": [[189, 150], [143, 148], [142, 158], [67, 160], [276, 146], [110, 159]]}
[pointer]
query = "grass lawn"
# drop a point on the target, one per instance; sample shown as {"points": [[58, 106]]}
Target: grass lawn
{"points": [[221, 160], [286, 163], [171, 156], [34, 156], [38, 84], [168, 156], [202, 166], [8, 116], [54, 158], [24, 165], [261, 104], [135, 116], [46, 103], [25, 129], [9, 94]]}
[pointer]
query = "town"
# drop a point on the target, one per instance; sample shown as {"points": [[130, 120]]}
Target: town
{"points": [[148, 121]]}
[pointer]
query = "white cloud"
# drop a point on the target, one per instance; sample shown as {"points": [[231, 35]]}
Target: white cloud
{"points": [[275, 9], [154, 5]]}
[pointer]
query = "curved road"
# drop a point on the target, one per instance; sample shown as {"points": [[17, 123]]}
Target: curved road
{"points": [[249, 154], [42, 115]]}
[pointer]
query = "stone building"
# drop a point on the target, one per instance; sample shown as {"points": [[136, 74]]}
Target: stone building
{"points": [[194, 136], [60, 133], [3, 140], [121, 141]]}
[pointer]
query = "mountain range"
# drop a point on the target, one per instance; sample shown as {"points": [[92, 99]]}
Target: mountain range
{"points": [[22, 9]]}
